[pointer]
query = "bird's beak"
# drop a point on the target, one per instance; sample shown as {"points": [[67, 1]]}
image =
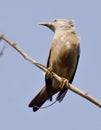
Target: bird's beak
{"points": [[47, 24]]}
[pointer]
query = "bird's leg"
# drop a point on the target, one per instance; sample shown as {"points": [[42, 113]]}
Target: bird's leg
{"points": [[63, 83], [48, 80]]}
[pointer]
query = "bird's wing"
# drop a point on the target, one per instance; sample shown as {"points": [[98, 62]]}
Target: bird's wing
{"points": [[48, 58], [48, 80], [71, 80]]}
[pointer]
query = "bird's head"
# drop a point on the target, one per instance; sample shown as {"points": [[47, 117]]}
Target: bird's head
{"points": [[58, 24]]}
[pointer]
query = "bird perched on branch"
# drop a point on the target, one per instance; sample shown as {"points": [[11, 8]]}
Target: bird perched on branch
{"points": [[62, 60]]}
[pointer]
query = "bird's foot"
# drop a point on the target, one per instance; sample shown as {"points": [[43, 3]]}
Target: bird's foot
{"points": [[64, 83]]}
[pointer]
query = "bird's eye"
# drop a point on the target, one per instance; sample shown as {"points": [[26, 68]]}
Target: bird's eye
{"points": [[55, 20]]}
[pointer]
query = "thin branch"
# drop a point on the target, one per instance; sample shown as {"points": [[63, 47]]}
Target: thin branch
{"points": [[42, 67], [16, 47]]}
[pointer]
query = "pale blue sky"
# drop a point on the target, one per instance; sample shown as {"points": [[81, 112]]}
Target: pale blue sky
{"points": [[20, 80]]}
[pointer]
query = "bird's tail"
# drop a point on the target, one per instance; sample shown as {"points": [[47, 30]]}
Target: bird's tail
{"points": [[39, 99], [42, 96]]}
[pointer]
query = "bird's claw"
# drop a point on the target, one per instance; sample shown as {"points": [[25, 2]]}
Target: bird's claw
{"points": [[64, 82]]}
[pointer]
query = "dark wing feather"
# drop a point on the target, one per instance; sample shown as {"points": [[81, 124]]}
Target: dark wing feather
{"points": [[48, 81], [71, 80], [48, 59]]}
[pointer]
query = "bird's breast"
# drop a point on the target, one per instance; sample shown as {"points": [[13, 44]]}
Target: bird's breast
{"points": [[63, 59]]}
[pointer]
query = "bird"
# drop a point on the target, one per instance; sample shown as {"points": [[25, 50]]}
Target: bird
{"points": [[63, 60]]}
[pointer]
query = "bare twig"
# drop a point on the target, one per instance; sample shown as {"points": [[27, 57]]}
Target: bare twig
{"points": [[70, 86]]}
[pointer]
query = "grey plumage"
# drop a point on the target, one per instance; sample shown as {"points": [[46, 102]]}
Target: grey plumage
{"points": [[63, 60]]}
